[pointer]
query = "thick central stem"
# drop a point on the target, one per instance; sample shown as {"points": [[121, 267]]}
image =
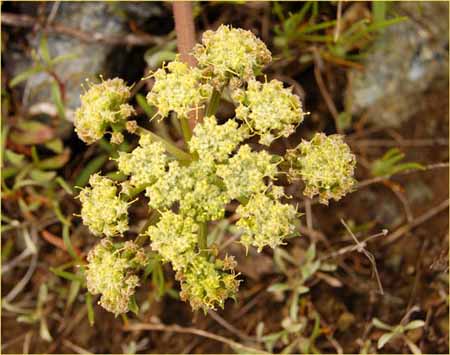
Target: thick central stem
{"points": [[185, 29]]}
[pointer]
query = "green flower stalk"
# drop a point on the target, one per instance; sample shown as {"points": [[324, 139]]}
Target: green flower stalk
{"points": [[102, 210], [231, 53], [326, 165], [102, 106], [269, 109], [111, 271], [186, 190]]}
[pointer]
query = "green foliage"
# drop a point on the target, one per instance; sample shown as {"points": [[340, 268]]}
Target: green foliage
{"points": [[390, 164], [398, 331]]}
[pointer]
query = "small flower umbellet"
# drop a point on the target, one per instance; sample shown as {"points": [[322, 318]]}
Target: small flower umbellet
{"points": [[112, 272], [178, 88], [102, 106], [220, 167], [102, 210], [231, 53], [269, 109], [326, 165]]}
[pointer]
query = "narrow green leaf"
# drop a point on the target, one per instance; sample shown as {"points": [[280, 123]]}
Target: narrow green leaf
{"points": [[25, 75], [92, 167], [90, 309]]}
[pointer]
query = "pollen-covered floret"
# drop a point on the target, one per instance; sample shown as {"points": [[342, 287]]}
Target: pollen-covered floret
{"points": [[111, 271], [265, 221], [173, 237], [245, 172], [326, 165], [269, 109], [231, 52], [195, 187], [145, 163], [207, 284], [102, 210], [102, 105], [178, 88], [216, 142]]}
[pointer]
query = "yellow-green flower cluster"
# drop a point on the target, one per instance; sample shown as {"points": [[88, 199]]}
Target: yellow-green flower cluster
{"points": [[269, 109], [196, 188], [102, 210], [173, 237], [111, 271], [144, 164], [265, 221], [204, 283], [178, 88], [214, 142], [207, 284], [245, 172], [326, 165], [102, 105], [231, 52]]}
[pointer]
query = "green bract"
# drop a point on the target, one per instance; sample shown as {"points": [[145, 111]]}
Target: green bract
{"points": [[102, 105], [186, 190], [178, 88], [112, 270], [269, 109], [102, 210], [326, 165], [231, 52]]}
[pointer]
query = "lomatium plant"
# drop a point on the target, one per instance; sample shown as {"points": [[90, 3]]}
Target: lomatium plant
{"points": [[188, 189]]}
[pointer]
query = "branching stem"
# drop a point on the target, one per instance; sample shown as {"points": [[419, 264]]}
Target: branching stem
{"points": [[172, 149]]}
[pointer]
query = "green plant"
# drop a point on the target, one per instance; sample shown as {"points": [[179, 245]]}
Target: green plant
{"points": [[189, 189], [398, 331], [390, 164]]}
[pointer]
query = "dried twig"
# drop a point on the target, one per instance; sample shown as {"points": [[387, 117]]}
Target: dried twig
{"points": [[189, 330], [230, 327], [416, 222], [361, 248], [323, 89], [8, 19]]}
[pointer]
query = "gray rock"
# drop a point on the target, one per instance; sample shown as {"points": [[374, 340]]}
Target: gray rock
{"points": [[90, 59], [406, 60]]}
